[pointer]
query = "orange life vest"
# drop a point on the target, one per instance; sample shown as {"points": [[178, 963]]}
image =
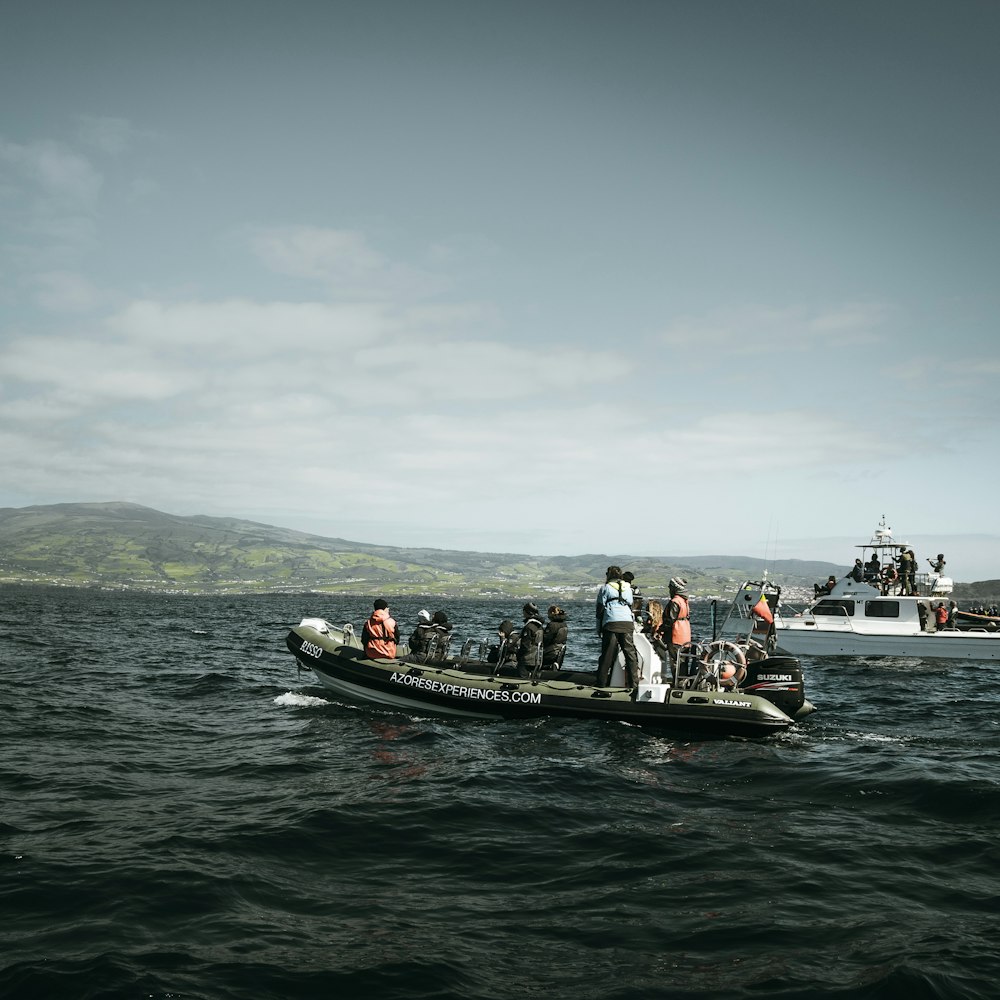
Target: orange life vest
{"points": [[681, 631], [380, 633]]}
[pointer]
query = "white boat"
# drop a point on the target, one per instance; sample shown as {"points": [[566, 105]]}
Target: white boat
{"points": [[868, 618]]}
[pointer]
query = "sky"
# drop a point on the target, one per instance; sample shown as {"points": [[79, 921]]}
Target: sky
{"points": [[656, 278]]}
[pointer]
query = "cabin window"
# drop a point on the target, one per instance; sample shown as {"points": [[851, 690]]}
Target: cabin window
{"points": [[881, 609], [837, 608]]}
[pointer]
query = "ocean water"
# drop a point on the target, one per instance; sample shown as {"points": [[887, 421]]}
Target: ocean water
{"points": [[183, 815]]}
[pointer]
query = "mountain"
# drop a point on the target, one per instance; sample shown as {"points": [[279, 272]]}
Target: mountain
{"points": [[129, 546]]}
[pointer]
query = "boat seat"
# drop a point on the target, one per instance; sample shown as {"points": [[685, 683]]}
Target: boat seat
{"points": [[351, 653]]}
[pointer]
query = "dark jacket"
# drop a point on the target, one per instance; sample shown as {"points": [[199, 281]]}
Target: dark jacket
{"points": [[429, 642], [506, 648], [554, 639], [531, 636], [420, 639]]}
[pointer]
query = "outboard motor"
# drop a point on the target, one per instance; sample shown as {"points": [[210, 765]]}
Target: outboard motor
{"points": [[779, 680]]}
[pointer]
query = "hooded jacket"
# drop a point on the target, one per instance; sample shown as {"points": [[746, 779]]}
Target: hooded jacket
{"points": [[531, 636], [380, 635], [421, 638], [506, 648], [554, 640], [614, 603]]}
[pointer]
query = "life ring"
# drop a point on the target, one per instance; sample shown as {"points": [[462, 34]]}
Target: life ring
{"points": [[726, 660]]}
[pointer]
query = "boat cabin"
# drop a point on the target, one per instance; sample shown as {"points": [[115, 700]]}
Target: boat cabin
{"points": [[862, 607]]}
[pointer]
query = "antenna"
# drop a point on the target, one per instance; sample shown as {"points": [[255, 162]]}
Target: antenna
{"points": [[774, 550]]}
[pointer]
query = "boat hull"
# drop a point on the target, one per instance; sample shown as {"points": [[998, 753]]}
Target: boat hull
{"points": [[450, 690], [947, 645]]}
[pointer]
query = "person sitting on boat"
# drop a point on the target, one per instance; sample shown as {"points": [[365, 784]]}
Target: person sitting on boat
{"points": [[937, 565], [429, 641], [872, 570], [438, 637], [528, 648], [941, 616], [420, 635], [380, 633], [554, 638], [653, 627], [890, 577], [505, 650], [616, 626], [826, 588], [654, 617], [857, 571], [676, 628]]}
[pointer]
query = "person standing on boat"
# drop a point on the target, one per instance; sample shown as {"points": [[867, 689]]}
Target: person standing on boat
{"points": [[912, 568], [677, 619], [616, 626], [554, 638], [941, 616], [952, 615], [380, 633], [905, 571], [937, 565], [528, 652]]}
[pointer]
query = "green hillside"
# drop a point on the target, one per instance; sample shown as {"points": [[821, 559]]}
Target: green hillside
{"points": [[128, 546]]}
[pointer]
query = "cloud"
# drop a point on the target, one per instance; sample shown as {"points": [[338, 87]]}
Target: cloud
{"points": [[858, 320], [64, 292], [760, 442], [340, 259], [113, 136], [62, 177], [238, 330], [760, 330], [486, 370], [218, 399], [362, 411], [86, 371], [319, 254], [50, 240]]}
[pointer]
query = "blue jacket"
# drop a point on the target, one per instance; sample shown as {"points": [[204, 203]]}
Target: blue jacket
{"points": [[614, 602]]}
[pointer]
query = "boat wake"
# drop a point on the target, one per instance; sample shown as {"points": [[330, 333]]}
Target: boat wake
{"points": [[292, 700]]}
